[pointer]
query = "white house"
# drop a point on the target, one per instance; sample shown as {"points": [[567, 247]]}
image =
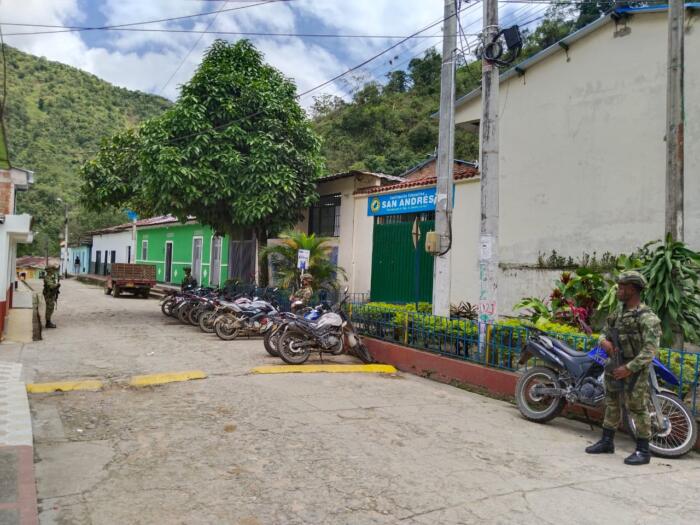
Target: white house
{"points": [[110, 245], [14, 228], [582, 150]]}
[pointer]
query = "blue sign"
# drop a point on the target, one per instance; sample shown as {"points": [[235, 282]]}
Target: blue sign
{"points": [[132, 215], [405, 202]]}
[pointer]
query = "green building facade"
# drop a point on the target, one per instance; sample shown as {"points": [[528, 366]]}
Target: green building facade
{"points": [[173, 246]]}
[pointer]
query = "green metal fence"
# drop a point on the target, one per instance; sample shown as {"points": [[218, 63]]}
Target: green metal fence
{"points": [[459, 339]]}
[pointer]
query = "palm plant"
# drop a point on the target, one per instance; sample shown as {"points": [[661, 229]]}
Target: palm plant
{"points": [[284, 256]]}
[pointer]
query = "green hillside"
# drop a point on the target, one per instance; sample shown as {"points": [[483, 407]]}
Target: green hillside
{"points": [[56, 116]]}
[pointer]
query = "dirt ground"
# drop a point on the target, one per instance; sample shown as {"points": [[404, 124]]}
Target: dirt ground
{"points": [[245, 449]]}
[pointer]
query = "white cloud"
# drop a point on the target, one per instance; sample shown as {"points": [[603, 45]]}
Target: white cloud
{"points": [[145, 60]]}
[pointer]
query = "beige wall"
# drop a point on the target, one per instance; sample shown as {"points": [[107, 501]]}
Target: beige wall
{"points": [[583, 153], [350, 223], [465, 242]]}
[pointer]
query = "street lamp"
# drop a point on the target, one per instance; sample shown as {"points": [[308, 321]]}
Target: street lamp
{"points": [[65, 235]]}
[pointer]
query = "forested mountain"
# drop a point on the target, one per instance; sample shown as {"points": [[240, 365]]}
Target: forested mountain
{"points": [[388, 127], [56, 116]]}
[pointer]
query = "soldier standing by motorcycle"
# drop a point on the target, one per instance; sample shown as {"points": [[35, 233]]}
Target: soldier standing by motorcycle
{"points": [[303, 295], [188, 282], [51, 291], [638, 331]]}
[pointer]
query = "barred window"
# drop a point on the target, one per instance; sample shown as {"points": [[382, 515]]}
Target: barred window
{"points": [[324, 216]]}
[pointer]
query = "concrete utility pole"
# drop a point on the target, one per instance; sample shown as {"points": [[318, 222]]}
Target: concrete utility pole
{"points": [[488, 167], [445, 163], [675, 118]]}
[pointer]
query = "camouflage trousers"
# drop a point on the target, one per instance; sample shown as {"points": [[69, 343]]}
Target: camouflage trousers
{"points": [[50, 307], [636, 402]]}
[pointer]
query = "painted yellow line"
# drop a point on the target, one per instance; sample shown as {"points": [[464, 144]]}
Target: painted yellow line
{"points": [[167, 377], [334, 369], [64, 386]]}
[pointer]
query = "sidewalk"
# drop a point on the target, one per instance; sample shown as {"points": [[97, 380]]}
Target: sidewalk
{"points": [[18, 503], [21, 317]]}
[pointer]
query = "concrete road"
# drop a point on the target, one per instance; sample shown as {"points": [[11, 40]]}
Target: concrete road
{"points": [[302, 449]]}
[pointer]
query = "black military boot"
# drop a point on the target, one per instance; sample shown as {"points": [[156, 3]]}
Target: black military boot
{"points": [[606, 445], [641, 456], [49, 324]]}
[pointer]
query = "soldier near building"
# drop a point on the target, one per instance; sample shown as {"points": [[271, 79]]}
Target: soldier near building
{"points": [[304, 294], [51, 291], [188, 282], [638, 331]]}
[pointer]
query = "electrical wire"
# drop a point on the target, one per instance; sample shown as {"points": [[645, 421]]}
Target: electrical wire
{"points": [[70, 29]]}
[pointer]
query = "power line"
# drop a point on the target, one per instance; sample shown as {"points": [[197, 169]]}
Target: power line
{"points": [[70, 29], [231, 33], [129, 26]]}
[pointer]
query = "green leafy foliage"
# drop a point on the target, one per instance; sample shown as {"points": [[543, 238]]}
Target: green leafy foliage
{"points": [[236, 150], [55, 117], [673, 271], [285, 255]]}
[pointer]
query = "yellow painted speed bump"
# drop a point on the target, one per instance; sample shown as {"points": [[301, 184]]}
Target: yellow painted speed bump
{"points": [[167, 377], [64, 386], [333, 369]]}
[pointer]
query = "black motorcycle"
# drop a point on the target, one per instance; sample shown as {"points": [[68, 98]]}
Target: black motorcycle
{"points": [[569, 376], [332, 333]]}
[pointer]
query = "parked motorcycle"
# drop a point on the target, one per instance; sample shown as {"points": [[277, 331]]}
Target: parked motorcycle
{"points": [[243, 317], [570, 376], [332, 333], [272, 336]]}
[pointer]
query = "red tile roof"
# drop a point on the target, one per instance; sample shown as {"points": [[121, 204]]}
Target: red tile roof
{"points": [[466, 173]]}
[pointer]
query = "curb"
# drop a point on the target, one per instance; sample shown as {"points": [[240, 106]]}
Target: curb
{"points": [[331, 369], [18, 501]]}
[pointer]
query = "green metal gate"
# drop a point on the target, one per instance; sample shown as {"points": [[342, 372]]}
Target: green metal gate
{"points": [[394, 263]]}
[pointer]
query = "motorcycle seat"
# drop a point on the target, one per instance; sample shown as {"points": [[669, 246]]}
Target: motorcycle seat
{"points": [[560, 345]]}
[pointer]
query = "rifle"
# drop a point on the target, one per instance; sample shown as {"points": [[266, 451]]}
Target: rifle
{"points": [[615, 361]]}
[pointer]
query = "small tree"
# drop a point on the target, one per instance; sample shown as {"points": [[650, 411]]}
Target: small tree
{"points": [[285, 254], [236, 150]]}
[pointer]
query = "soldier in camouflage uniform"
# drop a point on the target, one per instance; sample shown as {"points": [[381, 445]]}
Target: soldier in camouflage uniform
{"points": [[305, 293], [51, 290], [188, 282], [639, 332]]}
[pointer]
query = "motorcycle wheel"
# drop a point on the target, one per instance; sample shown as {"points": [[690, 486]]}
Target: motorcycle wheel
{"points": [[271, 341], [539, 409], [289, 349], [206, 322], [183, 313], [167, 307], [364, 355], [682, 432], [193, 316], [225, 327]]}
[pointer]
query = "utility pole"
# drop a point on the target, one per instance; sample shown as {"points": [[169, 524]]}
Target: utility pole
{"points": [[488, 167], [675, 118], [445, 164]]}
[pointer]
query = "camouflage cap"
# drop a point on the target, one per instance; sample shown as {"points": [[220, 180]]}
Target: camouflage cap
{"points": [[187, 269], [307, 277], [632, 277], [52, 268]]}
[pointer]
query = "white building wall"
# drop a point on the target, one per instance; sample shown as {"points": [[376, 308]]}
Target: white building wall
{"points": [[361, 276], [118, 242], [582, 151], [464, 284]]}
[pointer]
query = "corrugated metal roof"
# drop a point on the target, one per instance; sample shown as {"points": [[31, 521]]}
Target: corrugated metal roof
{"points": [[431, 181], [354, 173]]}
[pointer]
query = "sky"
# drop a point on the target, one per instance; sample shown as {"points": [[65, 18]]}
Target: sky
{"points": [[160, 62]]}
